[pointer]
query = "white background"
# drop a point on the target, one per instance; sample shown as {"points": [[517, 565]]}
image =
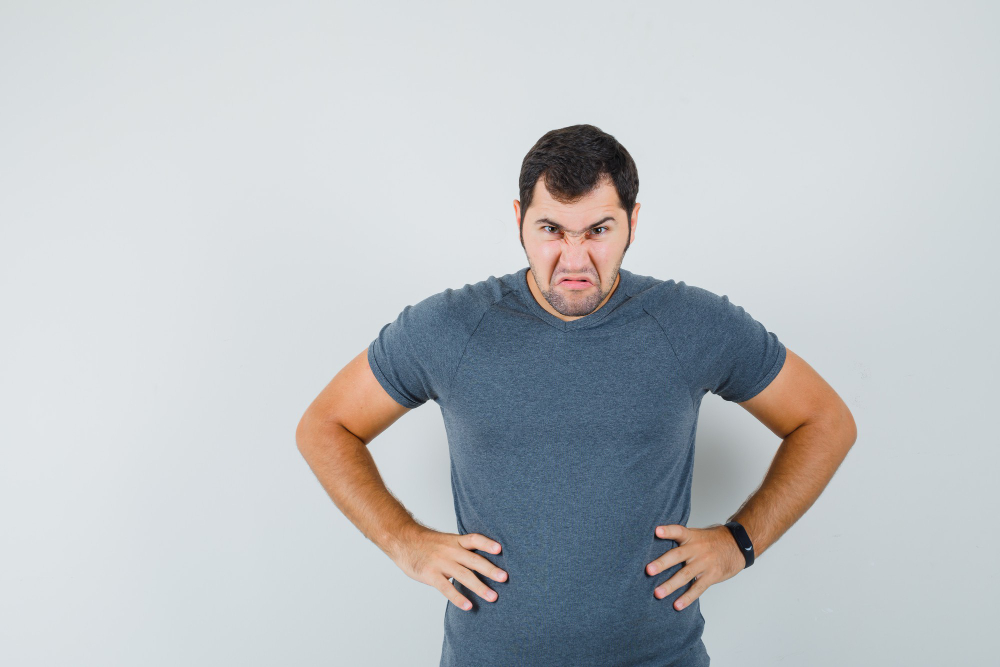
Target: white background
{"points": [[209, 208]]}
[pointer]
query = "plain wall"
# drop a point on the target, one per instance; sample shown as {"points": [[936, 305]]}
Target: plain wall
{"points": [[209, 208]]}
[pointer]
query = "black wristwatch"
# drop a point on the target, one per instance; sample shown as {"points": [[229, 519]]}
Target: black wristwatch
{"points": [[742, 539]]}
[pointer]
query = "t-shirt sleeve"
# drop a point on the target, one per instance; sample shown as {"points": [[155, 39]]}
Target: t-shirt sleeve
{"points": [[415, 356], [397, 367], [720, 346]]}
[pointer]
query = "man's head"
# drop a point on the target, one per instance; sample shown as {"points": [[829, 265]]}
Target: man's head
{"points": [[577, 215]]}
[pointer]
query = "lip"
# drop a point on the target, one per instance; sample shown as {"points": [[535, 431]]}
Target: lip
{"points": [[575, 284]]}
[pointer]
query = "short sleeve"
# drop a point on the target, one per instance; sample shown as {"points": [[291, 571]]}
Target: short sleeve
{"points": [[720, 346], [415, 356], [397, 367]]}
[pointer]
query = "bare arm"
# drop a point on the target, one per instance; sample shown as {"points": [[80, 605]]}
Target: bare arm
{"points": [[817, 430], [333, 437]]}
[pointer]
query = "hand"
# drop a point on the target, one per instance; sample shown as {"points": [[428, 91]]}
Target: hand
{"points": [[711, 554], [432, 557]]}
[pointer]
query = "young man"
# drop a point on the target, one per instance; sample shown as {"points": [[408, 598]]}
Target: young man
{"points": [[570, 392]]}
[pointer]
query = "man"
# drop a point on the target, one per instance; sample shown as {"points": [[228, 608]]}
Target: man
{"points": [[570, 393]]}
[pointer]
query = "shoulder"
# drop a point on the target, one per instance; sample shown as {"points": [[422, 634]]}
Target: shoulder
{"points": [[720, 346], [459, 304], [451, 315], [671, 299], [691, 312], [415, 355]]}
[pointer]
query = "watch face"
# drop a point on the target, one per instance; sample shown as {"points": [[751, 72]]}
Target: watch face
{"points": [[743, 540], [741, 537]]}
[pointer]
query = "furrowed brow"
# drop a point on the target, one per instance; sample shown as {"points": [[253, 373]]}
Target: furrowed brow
{"points": [[599, 223]]}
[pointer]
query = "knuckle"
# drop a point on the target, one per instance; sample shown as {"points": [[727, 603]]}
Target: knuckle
{"points": [[452, 594], [490, 570], [460, 572], [428, 566], [419, 566]]}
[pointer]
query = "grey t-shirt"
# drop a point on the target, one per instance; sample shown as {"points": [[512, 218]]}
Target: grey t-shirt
{"points": [[570, 442]]}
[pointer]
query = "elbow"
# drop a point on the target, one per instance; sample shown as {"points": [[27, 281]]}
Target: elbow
{"points": [[839, 425], [848, 426], [300, 432], [304, 431], [318, 432]]}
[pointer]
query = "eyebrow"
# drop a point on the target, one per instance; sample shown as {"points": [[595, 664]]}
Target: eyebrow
{"points": [[599, 223]]}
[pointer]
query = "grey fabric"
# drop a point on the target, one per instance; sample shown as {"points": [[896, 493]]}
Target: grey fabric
{"points": [[570, 442]]}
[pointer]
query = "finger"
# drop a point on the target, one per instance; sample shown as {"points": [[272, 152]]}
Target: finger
{"points": [[450, 592], [699, 586], [473, 583], [482, 565], [680, 578], [478, 541], [667, 560], [674, 531]]}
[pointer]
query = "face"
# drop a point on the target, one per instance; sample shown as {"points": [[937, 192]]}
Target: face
{"points": [[593, 256]]}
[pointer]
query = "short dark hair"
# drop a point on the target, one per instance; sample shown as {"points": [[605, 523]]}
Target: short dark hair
{"points": [[572, 161]]}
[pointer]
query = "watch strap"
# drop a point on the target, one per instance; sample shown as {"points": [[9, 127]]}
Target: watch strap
{"points": [[743, 540]]}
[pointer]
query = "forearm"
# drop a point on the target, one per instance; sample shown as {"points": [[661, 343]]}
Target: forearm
{"points": [[346, 470], [802, 467]]}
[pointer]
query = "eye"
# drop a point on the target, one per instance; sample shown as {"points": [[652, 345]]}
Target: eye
{"points": [[555, 231]]}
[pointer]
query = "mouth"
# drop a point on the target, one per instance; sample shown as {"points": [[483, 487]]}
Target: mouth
{"points": [[575, 283]]}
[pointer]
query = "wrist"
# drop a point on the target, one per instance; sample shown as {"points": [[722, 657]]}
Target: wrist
{"points": [[402, 537], [742, 540]]}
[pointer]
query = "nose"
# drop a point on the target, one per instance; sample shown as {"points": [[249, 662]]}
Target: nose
{"points": [[578, 235], [577, 261]]}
